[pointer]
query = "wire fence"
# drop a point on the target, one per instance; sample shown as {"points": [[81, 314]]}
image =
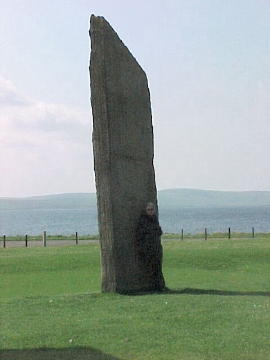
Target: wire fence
{"points": [[46, 240], [74, 239]]}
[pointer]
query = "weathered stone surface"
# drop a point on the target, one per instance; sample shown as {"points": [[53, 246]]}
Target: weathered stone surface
{"points": [[123, 154]]}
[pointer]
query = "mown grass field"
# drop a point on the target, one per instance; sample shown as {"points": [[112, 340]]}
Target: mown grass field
{"points": [[218, 306]]}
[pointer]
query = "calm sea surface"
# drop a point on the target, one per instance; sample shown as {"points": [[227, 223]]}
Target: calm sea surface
{"points": [[84, 221]]}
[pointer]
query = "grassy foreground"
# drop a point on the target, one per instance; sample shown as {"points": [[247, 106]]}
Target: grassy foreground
{"points": [[218, 307]]}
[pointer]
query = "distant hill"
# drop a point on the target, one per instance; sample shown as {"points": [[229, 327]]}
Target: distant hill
{"points": [[168, 199], [58, 201], [177, 198]]}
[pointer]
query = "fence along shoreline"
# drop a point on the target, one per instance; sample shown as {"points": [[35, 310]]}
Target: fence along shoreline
{"points": [[45, 240]]}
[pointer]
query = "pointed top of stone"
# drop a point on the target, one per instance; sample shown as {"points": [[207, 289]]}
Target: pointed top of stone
{"points": [[98, 24], [97, 19]]}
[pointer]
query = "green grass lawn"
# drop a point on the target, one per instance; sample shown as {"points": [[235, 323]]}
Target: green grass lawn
{"points": [[218, 307]]}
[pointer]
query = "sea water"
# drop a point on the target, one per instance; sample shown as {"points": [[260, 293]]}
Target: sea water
{"points": [[195, 220], [84, 221]]}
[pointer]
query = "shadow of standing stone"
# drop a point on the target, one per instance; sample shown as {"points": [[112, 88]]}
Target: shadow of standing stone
{"points": [[78, 353], [123, 155]]}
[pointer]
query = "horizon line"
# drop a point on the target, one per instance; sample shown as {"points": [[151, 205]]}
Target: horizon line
{"points": [[158, 190]]}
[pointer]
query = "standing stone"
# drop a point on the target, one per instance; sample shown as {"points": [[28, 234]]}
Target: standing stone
{"points": [[123, 154]]}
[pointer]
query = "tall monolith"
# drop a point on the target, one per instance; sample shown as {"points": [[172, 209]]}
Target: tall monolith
{"points": [[123, 155]]}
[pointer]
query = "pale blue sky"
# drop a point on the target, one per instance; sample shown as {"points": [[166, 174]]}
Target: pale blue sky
{"points": [[207, 64]]}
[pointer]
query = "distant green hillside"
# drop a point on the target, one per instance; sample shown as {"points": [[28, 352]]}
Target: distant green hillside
{"points": [[175, 198], [168, 199], [59, 201]]}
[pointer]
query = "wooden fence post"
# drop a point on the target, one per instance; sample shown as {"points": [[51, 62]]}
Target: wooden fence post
{"points": [[26, 240], [77, 239], [44, 239], [182, 234], [4, 241], [229, 233], [205, 234]]}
